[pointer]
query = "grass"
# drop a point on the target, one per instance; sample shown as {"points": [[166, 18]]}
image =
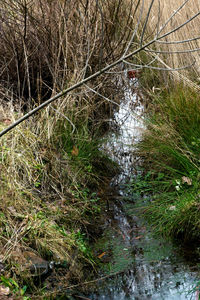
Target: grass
{"points": [[170, 144], [51, 169], [49, 195], [170, 148], [170, 152], [160, 14]]}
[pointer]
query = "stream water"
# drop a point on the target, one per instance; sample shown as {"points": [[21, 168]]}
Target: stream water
{"points": [[135, 265]]}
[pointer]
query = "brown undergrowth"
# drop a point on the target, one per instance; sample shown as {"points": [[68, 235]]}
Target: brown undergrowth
{"points": [[51, 168], [174, 51]]}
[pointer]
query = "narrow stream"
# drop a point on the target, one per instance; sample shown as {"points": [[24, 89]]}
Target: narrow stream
{"points": [[134, 264]]}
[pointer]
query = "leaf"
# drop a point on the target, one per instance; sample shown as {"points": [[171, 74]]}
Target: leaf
{"points": [[138, 237], [75, 151], [131, 74], [101, 255], [23, 290], [14, 282], [6, 282], [7, 121], [172, 207]]}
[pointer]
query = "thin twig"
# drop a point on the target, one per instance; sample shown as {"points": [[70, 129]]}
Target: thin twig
{"points": [[179, 42], [98, 73], [135, 30], [95, 280], [74, 127], [146, 21], [176, 74], [159, 68], [173, 52], [107, 99], [171, 17]]}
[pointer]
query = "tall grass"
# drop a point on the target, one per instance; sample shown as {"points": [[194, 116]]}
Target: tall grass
{"points": [[170, 147], [160, 13], [50, 167]]}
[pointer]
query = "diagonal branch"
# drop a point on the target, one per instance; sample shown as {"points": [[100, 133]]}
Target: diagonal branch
{"points": [[103, 70], [160, 68]]}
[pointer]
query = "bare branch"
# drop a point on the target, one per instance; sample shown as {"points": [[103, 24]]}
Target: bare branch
{"points": [[179, 27], [136, 28], [73, 87], [171, 17], [115, 63], [159, 18], [146, 21], [177, 74], [159, 68], [179, 42], [173, 52], [102, 96]]}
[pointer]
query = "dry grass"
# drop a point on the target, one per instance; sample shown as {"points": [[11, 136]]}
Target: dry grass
{"points": [[46, 46], [160, 13], [47, 163]]}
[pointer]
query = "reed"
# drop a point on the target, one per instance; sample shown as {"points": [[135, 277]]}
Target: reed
{"points": [[177, 46]]}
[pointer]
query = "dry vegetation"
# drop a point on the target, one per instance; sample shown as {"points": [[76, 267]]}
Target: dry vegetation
{"points": [[176, 52], [170, 145], [51, 166]]}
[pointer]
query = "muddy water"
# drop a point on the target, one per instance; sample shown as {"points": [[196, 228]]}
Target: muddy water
{"points": [[134, 264]]}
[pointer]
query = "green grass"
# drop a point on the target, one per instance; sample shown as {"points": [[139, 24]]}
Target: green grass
{"points": [[49, 195], [171, 151]]}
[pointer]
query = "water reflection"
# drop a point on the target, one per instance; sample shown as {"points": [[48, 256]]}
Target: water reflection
{"points": [[129, 123], [144, 268]]}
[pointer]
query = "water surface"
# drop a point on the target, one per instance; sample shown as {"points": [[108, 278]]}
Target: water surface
{"points": [[135, 265]]}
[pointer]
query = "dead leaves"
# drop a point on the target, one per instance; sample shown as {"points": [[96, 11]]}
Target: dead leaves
{"points": [[75, 151], [7, 121], [138, 237], [5, 293], [101, 255]]}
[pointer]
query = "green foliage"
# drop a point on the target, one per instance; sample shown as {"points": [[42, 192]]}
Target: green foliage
{"points": [[50, 192], [82, 244], [14, 287], [171, 150]]}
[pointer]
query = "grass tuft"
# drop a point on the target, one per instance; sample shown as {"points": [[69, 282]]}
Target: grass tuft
{"points": [[170, 147]]}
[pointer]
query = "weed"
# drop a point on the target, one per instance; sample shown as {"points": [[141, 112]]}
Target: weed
{"points": [[171, 150], [13, 287]]}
